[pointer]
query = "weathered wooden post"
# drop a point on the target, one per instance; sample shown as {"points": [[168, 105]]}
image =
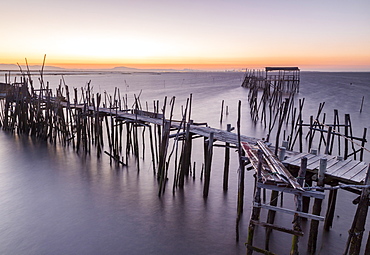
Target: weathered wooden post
{"points": [[282, 151], [186, 155], [356, 233], [241, 165], [222, 110], [363, 144], [208, 163], [362, 103], [152, 147], [327, 151], [367, 249], [297, 219], [227, 162], [271, 217], [328, 223], [256, 206], [316, 210], [346, 128], [162, 156]]}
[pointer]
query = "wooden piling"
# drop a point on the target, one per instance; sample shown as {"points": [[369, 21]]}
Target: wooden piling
{"points": [[185, 155], [356, 233], [241, 165], [297, 219], [226, 162], [328, 223], [316, 210], [162, 157], [362, 103], [207, 164], [256, 207], [271, 217], [222, 111]]}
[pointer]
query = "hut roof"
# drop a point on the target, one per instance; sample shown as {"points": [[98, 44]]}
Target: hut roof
{"points": [[281, 68]]}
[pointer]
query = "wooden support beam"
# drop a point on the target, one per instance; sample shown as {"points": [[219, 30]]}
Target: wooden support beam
{"points": [[278, 228]]}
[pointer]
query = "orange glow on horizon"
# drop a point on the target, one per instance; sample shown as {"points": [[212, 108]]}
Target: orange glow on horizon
{"points": [[305, 63], [222, 64]]}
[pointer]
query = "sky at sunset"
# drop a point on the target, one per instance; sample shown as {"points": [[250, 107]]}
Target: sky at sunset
{"points": [[202, 34]]}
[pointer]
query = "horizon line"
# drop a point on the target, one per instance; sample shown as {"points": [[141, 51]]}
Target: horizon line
{"points": [[175, 67]]}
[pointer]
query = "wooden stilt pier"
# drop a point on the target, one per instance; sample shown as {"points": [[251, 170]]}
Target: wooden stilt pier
{"points": [[90, 120]]}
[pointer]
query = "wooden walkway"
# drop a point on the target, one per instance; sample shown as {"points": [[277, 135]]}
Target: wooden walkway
{"points": [[345, 171], [157, 119]]}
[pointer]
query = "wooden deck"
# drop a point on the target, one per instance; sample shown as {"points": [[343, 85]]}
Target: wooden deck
{"points": [[345, 171]]}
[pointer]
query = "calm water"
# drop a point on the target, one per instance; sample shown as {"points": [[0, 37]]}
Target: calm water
{"points": [[54, 201]]}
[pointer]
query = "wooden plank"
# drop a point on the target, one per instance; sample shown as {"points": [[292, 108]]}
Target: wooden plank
{"points": [[294, 158], [360, 176], [335, 167], [315, 165], [297, 161], [313, 162], [344, 169], [354, 171], [267, 175], [292, 212], [275, 163], [331, 162]]}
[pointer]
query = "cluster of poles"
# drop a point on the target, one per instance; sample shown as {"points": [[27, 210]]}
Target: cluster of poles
{"points": [[85, 120], [275, 109], [277, 112]]}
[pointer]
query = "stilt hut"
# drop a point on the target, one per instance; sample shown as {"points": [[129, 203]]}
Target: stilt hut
{"points": [[285, 79]]}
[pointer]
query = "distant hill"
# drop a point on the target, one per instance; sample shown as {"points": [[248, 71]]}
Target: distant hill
{"points": [[31, 67], [130, 69]]}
